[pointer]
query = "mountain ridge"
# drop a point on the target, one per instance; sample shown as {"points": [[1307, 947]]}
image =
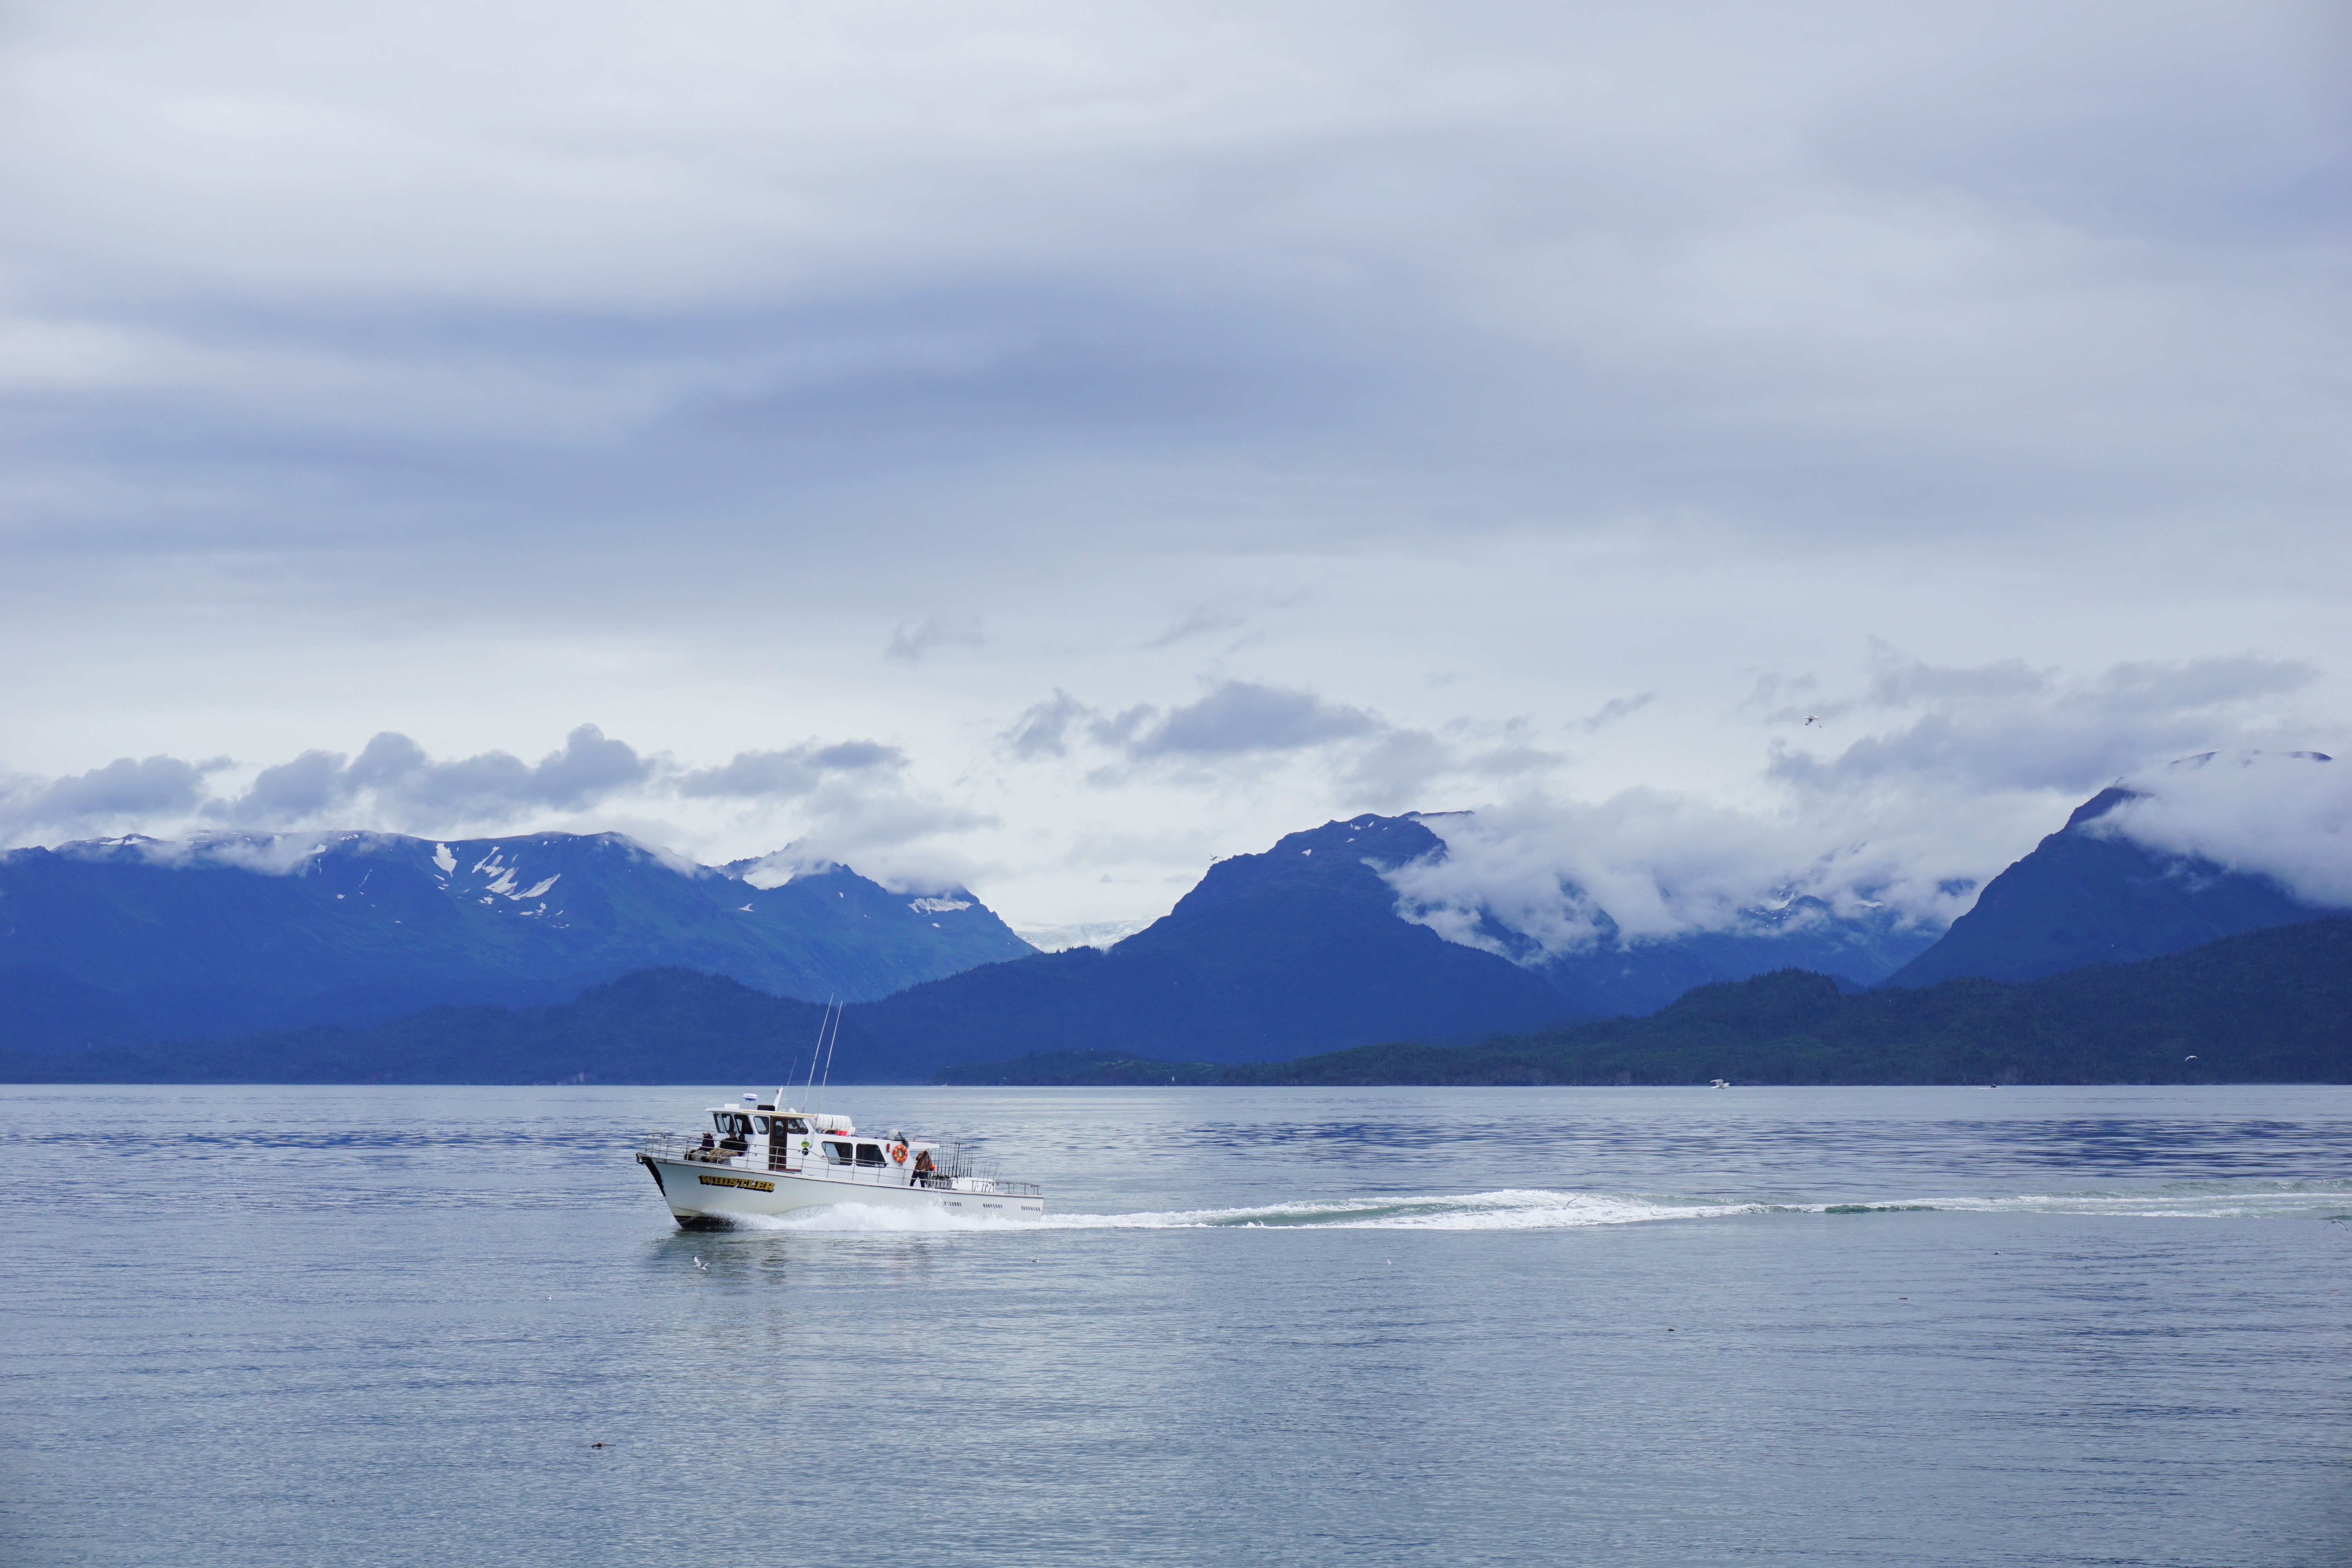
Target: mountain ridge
{"points": [[2085, 896], [2270, 1005], [1309, 944], [115, 939], [1265, 950]]}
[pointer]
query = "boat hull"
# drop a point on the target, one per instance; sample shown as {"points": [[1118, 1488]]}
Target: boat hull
{"points": [[699, 1193]]}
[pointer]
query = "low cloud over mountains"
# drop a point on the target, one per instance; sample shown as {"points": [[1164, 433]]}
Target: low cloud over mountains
{"points": [[1047, 448], [2285, 817], [1899, 826], [851, 791]]}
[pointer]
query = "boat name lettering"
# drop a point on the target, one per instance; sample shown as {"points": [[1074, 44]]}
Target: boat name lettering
{"points": [[743, 1181]]}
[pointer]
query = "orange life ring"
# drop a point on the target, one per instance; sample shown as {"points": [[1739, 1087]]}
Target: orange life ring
{"points": [[898, 1152]]}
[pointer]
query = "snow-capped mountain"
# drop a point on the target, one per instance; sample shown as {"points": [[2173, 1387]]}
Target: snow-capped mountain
{"points": [[1306, 947], [135, 939], [2086, 895]]}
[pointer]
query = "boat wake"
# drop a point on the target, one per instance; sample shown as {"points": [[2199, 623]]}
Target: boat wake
{"points": [[872, 1219], [1538, 1209], [1511, 1209]]}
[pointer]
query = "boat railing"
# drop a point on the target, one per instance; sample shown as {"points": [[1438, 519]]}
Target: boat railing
{"points": [[1017, 1189], [691, 1146], [996, 1186], [958, 1158], [659, 1145]]}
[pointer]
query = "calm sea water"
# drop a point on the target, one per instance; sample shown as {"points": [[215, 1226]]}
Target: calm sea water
{"points": [[346, 1326]]}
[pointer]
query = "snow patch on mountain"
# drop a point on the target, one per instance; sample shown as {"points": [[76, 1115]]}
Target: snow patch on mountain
{"points": [[769, 872]]}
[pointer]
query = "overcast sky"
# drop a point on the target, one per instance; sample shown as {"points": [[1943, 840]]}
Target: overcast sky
{"points": [[1047, 446]]}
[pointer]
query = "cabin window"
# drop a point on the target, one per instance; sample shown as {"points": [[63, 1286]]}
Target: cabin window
{"points": [[837, 1153], [870, 1154], [791, 1124]]}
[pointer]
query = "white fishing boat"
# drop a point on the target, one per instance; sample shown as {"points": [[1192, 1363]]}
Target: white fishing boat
{"points": [[764, 1158]]}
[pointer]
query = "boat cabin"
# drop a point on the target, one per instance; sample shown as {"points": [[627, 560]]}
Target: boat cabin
{"points": [[820, 1143]]}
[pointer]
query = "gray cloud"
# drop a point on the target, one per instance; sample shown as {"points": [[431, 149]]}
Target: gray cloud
{"points": [[1240, 717], [1043, 728], [885, 829], [1234, 719], [1615, 708], [1779, 698], [847, 801], [397, 784], [1199, 623], [1511, 762], [2206, 684], [1904, 681], [1396, 770], [914, 640], [786, 774], [2006, 727], [393, 783], [123, 791], [1240, 729], [1120, 728], [311, 782], [890, 302], [862, 826]]}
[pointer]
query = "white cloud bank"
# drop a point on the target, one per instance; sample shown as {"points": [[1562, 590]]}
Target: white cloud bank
{"points": [[1657, 865], [850, 801], [394, 780], [2287, 816], [1962, 770], [1896, 798]]}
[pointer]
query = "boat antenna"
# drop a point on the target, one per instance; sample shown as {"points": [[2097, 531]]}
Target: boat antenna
{"points": [[795, 1067], [822, 1019], [837, 1040]]}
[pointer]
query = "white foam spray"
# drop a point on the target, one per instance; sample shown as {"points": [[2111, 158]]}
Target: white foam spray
{"points": [[1537, 1209]]}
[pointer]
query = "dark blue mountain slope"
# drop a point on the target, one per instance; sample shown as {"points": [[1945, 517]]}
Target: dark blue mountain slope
{"points": [[2082, 896], [1297, 949], [1272, 954], [659, 1026], [2267, 1007], [129, 940], [2272, 1005], [1617, 978]]}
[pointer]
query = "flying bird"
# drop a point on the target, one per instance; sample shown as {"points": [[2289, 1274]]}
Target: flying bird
{"points": [[1812, 718]]}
